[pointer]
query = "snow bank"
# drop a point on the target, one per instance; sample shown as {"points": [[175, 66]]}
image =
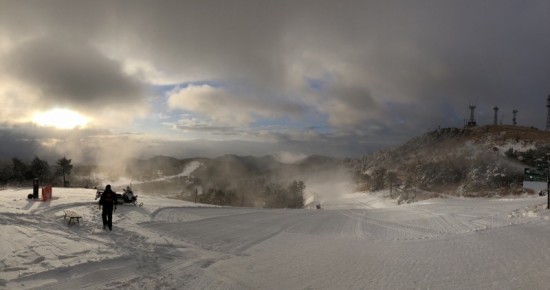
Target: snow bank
{"points": [[357, 241]]}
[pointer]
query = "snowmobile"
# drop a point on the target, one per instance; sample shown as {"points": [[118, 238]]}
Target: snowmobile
{"points": [[127, 197]]}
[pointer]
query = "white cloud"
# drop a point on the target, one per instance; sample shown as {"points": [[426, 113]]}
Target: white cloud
{"points": [[217, 104], [227, 108], [147, 72]]}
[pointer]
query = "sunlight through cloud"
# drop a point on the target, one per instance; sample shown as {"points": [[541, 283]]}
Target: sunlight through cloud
{"points": [[60, 119]]}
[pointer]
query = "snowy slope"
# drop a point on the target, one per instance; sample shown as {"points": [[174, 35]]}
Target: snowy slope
{"points": [[358, 241], [124, 181]]}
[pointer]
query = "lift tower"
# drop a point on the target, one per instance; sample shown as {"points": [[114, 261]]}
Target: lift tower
{"points": [[472, 121]]}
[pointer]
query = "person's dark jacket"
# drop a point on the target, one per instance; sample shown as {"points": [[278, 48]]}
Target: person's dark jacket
{"points": [[108, 199]]}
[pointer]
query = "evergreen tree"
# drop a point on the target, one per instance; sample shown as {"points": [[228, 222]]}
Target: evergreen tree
{"points": [[20, 171], [296, 192], [40, 169], [274, 196], [65, 168], [6, 171]]}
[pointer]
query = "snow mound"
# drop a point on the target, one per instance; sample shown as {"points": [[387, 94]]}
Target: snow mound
{"points": [[537, 210]]}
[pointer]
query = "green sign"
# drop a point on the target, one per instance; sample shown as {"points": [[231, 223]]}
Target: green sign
{"points": [[531, 174]]}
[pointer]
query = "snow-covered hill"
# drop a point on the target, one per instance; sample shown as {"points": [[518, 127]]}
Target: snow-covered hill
{"points": [[478, 161], [357, 241]]}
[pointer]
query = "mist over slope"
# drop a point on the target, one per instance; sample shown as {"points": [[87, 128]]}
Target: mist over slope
{"points": [[476, 161], [266, 181]]}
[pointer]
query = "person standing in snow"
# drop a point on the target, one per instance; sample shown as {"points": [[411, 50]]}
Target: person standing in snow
{"points": [[128, 194], [108, 202]]}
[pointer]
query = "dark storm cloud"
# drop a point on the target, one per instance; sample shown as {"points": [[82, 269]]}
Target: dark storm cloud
{"points": [[429, 54], [347, 104], [374, 70], [475, 52], [13, 145], [70, 72], [218, 39]]}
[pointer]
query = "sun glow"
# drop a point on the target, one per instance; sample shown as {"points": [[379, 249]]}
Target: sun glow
{"points": [[60, 119]]}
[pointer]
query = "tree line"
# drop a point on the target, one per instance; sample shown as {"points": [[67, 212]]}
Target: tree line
{"points": [[486, 174], [273, 195], [17, 172]]}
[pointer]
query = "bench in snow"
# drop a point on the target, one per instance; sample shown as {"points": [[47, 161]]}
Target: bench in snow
{"points": [[72, 215]]}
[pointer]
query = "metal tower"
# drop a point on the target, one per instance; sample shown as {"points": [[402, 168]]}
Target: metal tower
{"points": [[514, 118], [472, 121], [548, 116], [496, 116]]}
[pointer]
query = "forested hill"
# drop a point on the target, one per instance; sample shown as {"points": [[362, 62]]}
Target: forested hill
{"points": [[478, 161]]}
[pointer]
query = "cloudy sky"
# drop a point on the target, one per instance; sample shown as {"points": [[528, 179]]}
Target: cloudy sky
{"points": [[113, 79]]}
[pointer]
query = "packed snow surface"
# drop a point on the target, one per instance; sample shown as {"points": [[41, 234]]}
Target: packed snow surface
{"points": [[357, 241]]}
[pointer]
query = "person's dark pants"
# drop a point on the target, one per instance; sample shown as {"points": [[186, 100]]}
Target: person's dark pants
{"points": [[107, 216]]}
